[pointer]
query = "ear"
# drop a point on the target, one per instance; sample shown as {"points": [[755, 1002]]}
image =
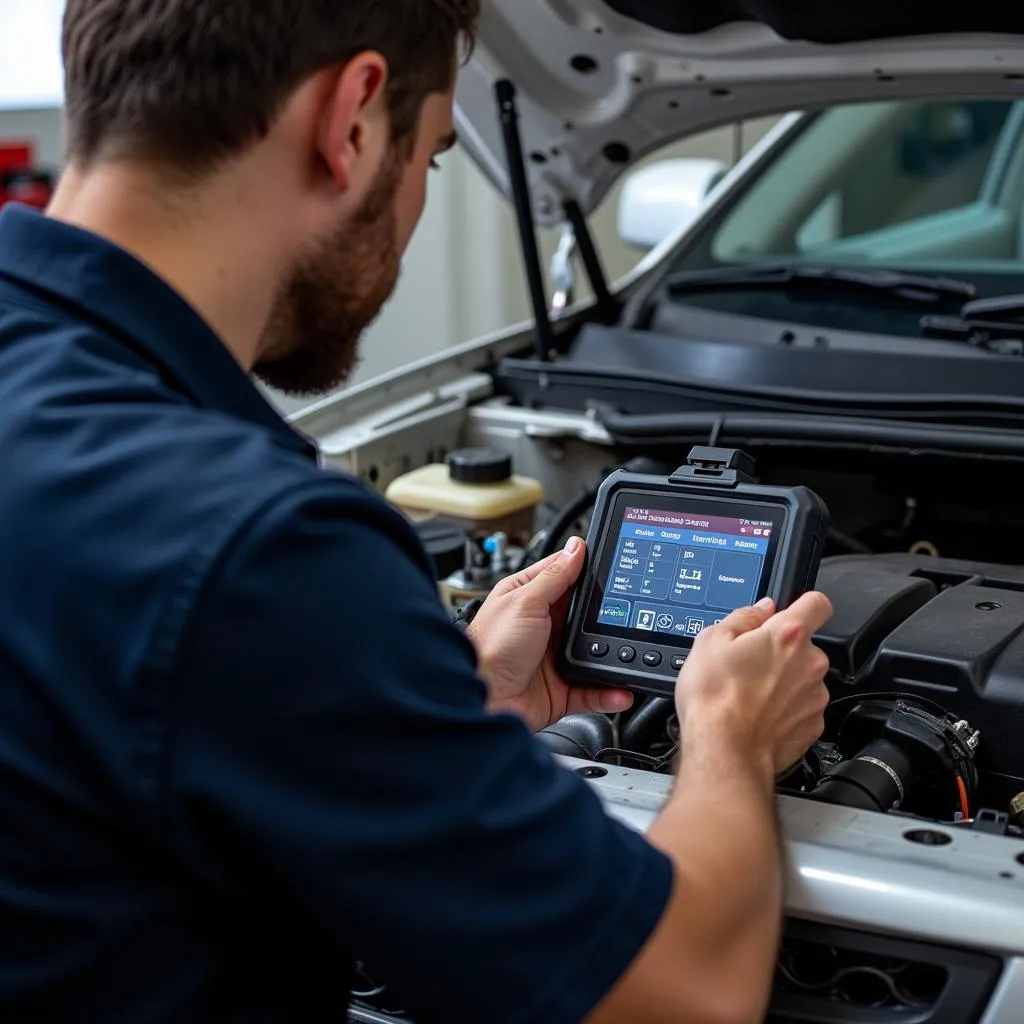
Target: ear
{"points": [[354, 111]]}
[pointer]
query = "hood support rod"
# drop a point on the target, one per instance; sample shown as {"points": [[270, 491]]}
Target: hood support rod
{"points": [[505, 94], [607, 307]]}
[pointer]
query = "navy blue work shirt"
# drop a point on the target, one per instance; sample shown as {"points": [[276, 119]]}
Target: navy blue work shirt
{"points": [[241, 744]]}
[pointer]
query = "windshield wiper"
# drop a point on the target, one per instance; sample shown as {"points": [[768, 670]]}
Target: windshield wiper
{"points": [[996, 325], [796, 277]]}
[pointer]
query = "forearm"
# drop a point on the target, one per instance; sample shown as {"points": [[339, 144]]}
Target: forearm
{"points": [[719, 829]]}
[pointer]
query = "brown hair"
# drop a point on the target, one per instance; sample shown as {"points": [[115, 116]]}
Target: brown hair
{"points": [[191, 83]]}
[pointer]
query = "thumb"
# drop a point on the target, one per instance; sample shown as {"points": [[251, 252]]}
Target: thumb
{"points": [[745, 620], [558, 575]]}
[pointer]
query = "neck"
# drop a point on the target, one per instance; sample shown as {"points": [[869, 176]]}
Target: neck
{"points": [[207, 245]]}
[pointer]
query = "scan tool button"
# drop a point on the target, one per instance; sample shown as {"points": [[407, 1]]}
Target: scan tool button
{"points": [[652, 659], [598, 649], [626, 655]]}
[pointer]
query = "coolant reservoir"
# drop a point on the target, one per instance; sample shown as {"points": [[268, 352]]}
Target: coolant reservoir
{"points": [[475, 489]]}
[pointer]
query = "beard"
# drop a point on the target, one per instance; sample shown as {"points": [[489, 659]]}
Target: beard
{"points": [[334, 292]]}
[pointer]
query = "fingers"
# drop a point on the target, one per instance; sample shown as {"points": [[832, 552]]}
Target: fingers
{"points": [[744, 620], [584, 700], [816, 707], [574, 551], [819, 664], [804, 617]]}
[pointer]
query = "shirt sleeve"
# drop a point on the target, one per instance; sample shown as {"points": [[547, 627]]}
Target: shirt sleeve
{"points": [[329, 722]]}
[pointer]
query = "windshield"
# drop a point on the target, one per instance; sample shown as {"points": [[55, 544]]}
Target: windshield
{"points": [[927, 188]]}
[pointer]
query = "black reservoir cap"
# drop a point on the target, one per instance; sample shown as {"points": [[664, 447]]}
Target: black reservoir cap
{"points": [[446, 545], [479, 466]]}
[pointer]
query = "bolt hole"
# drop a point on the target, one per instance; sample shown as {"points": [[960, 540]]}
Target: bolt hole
{"points": [[720, 93], [787, 338], [599, 30], [988, 606], [699, 78], [1020, 858], [373, 475], [636, 79], [592, 772], [538, 158], [584, 64], [568, 126], [1006, 874], [1014, 76], [617, 153], [927, 837], [673, 104]]}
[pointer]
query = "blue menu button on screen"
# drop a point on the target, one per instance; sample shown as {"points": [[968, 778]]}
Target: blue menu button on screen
{"points": [[613, 612]]}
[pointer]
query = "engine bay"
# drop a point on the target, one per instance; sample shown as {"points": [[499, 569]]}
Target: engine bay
{"points": [[927, 686], [926, 651]]}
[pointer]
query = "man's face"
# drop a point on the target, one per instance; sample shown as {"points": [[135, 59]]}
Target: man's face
{"points": [[338, 286]]}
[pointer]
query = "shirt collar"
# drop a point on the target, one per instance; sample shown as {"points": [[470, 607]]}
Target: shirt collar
{"points": [[116, 290]]}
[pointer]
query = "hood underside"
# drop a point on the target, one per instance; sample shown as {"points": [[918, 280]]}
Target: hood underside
{"points": [[600, 85]]}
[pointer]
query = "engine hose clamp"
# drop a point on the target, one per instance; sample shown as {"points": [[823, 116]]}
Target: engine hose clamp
{"points": [[890, 772]]}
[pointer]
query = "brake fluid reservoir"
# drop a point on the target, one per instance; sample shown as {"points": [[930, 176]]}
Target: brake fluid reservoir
{"points": [[475, 489]]}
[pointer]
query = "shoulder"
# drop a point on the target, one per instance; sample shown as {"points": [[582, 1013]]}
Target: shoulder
{"points": [[335, 514]]}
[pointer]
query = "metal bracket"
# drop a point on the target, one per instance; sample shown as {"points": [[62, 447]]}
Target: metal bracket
{"points": [[563, 272]]}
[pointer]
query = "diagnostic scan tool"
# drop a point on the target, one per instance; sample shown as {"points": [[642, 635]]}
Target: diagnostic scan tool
{"points": [[667, 557]]}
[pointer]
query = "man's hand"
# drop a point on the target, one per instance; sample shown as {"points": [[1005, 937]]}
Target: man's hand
{"points": [[515, 634], [757, 681]]}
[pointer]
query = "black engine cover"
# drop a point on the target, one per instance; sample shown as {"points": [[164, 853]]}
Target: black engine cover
{"points": [[948, 631]]}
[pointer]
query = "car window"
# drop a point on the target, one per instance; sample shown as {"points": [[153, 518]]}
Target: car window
{"points": [[889, 184]]}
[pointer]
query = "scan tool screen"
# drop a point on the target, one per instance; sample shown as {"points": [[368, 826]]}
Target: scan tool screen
{"points": [[675, 571]]}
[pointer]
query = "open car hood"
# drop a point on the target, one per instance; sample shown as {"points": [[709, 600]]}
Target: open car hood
{"points": [[602, 83]]}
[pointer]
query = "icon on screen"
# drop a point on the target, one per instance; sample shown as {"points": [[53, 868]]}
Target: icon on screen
{"points": [[696, 575], [614, 611], [694, 627], [645, 619], [757, 533], [665, 621]]}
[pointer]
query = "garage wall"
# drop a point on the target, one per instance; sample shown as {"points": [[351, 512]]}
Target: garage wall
{"points": [[43, 126], [462, 276]]}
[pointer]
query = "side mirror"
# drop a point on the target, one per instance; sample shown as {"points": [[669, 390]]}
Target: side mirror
{"points": [[659, 199]]}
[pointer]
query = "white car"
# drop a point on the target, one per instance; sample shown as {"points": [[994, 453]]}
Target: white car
{"points": [[844, 305]]}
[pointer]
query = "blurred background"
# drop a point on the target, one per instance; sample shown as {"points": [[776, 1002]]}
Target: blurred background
{"points": [[462, 276]]}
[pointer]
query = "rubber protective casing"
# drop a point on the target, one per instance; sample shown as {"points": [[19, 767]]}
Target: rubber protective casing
{"points": [[795, 569]]}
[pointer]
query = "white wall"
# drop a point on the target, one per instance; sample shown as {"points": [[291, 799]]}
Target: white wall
{"points": [[31, 74]]}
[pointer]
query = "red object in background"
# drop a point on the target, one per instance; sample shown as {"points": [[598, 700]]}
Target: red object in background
{"points": [[16, 155], [20, 181]]}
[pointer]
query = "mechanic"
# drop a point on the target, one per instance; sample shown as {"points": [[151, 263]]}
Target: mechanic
{"points": [[241, 744]]}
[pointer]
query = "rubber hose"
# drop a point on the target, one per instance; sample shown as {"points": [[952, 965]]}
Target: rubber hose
{"points": [[579, 736], [645, 722], [564, 520]]}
